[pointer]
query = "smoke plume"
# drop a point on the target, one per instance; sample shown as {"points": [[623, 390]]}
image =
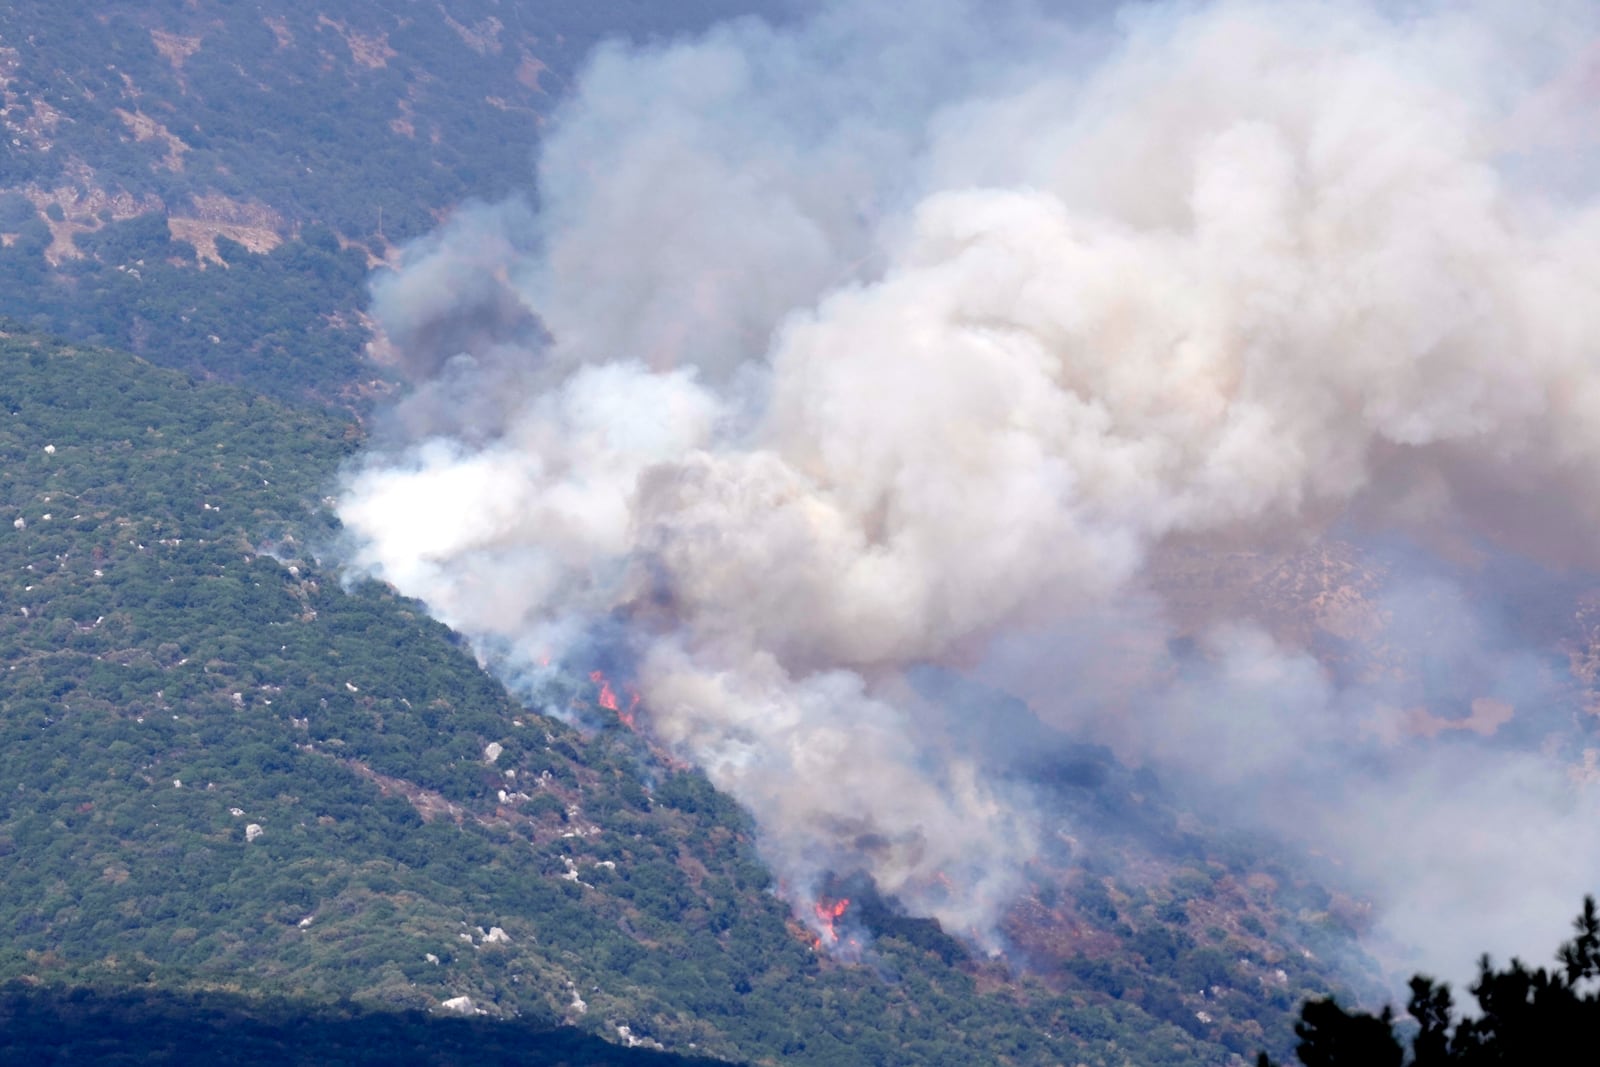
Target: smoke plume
{"points": [[895, 338]]}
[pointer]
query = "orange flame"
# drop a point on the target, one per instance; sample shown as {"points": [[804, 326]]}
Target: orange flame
{"points": [[608, 698], [828, 914]]}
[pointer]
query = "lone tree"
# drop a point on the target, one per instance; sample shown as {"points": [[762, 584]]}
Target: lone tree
{"points": [[1526, 1017]]}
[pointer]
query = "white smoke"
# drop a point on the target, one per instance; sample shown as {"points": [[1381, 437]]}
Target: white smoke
{"points": [[859, 344]]}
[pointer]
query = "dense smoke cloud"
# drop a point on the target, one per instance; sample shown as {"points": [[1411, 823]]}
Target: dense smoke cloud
{"points": [[886, 340]]}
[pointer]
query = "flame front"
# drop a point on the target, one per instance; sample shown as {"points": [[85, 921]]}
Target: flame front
{"points": [[608, 698], [827, 915]]}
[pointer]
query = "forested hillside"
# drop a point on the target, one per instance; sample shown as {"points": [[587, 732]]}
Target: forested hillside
{"points": [[224, 771], [253, 806]]}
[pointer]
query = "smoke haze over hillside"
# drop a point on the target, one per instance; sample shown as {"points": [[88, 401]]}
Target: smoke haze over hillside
{"points": [[895, 338]]}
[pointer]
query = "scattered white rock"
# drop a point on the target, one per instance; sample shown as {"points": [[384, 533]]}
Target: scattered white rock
{"points": [[236, 812], [578, 1004], [253, 831], [431, 958], [496, 936], [628, 1039], [1203, 1016], [491, 751], [572, 872], [460, 1005], [50, 450], [465, 937], [306, 921], [177, 783], [609, 865], [20, 523]]}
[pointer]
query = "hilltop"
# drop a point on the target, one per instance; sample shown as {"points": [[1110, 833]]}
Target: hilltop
{"points": [[208, 185]]}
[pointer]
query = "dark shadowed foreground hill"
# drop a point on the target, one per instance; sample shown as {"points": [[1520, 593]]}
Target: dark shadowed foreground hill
{"points": [[61, 1026]]}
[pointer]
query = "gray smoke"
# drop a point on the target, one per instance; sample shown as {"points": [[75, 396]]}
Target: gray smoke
{"points": [[913, 337]]}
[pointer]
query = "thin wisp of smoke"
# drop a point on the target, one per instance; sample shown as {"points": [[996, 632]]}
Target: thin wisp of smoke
{"points": [[867, 343]]}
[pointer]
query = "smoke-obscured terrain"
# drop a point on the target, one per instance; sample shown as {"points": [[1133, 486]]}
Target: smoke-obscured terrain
{"points": [[1057, 352]]}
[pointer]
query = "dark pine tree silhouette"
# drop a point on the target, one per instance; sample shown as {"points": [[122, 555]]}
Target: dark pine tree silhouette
{"points": [[1525, 1017]]}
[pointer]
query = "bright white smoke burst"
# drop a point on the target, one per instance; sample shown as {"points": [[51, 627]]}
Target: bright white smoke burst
{"points": [[867, 343]]}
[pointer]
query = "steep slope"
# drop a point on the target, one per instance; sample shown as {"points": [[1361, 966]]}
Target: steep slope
{"points": [[226, 772], [220, 769]]}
